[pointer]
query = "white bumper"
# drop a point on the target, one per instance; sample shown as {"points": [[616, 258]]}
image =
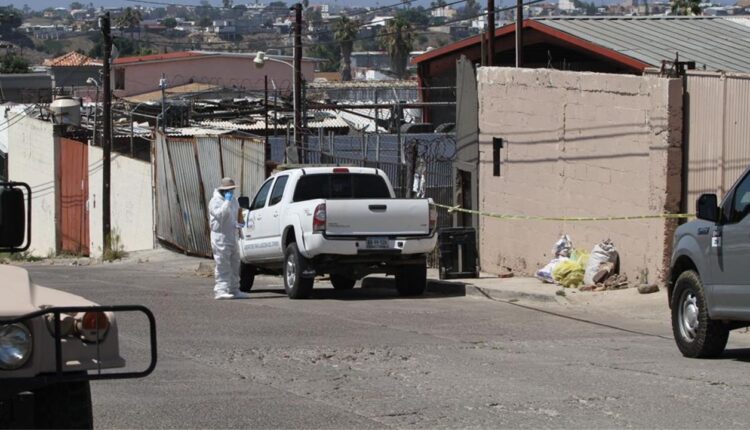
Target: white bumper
{"points": [[318, 244]]}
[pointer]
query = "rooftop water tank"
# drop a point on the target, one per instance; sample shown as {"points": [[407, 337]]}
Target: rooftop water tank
{"points": [[66, 111]]}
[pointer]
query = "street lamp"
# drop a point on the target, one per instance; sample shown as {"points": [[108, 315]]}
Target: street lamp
{"points": [[95, 83], [260, 61]]}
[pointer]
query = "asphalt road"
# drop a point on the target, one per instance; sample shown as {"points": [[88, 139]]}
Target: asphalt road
{"points": [[368, 359]]}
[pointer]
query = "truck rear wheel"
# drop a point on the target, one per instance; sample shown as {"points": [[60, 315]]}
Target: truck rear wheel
{"points": [[296, 286], [66, 405], [247, 277], [411, 280], [697, 335], [341, 282]]}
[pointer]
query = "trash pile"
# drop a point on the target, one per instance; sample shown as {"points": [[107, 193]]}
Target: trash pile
{"points": [[573, 268]]}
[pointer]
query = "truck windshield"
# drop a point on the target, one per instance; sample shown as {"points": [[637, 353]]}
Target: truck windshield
{"points": [[341, 186]]}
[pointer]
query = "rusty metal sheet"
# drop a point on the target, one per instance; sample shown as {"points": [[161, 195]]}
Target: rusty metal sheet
{"points": [[231, 158], [163, 213], [209, 162], [175, 219], [192, 205], [254, 169]]}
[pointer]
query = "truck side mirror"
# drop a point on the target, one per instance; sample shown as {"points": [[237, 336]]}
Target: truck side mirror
{"points": [[708, 207], [244, 202], [14, 225]]}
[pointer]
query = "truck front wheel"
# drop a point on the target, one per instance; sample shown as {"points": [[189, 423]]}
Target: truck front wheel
{"points": [[697, 335], [296, 286], [411, 280], [247, 277], [65, 405]]}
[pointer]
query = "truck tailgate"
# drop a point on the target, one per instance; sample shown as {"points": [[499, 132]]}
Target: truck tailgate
{"points": [[377, 217]]}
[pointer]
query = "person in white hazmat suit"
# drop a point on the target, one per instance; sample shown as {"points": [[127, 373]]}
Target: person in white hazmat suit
{"points": [[223, 215]]}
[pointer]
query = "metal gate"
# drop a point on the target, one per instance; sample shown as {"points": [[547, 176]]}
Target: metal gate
{"points": [[74, 191], [718, 126], [187, 170]]}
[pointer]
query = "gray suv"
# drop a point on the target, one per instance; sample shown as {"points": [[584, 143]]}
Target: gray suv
{"points": [[709, 284]]}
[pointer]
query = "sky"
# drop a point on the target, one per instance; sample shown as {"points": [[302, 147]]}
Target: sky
{"points": [[41, 4]]}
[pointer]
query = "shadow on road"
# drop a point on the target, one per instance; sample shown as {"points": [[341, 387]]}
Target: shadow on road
{"points": [[385, 289], [739, 354]]}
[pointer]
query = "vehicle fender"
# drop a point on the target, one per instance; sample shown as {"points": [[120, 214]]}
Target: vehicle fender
{"points": [[293, 221], [689, 247]]}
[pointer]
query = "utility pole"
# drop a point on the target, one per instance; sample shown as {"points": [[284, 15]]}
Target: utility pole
{"points": [[490, 32], [297, 8], [519, 33], [104, 23], [267, 145], [163, 86]]}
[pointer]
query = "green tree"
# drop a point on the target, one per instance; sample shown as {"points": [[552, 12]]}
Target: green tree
{"points": [[170, 22], [130, 19], [470, 10], [10, 19], [75, 5], [277, 5], [12, 63], [227, 3], [345, 31], [205, 22], [397, 38], [417, 16], [686, 7]]}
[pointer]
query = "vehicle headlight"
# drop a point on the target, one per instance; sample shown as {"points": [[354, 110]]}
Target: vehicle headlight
{"points": [[15, 346]]}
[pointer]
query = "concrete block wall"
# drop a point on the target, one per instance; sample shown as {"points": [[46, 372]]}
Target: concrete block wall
{"points": [[131, 201], [31, 159], [578, 144]]}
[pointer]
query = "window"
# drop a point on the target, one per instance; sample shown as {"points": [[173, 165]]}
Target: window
{"points": [[741, 205], [260, 198], [120, 78], [497, 145], [278, 190], [341, 186]]}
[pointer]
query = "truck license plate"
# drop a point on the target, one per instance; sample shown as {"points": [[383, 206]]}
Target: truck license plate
{"points": [[377, 242]]}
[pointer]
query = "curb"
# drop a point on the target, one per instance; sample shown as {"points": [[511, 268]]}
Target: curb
{"points": [[461, 288]]}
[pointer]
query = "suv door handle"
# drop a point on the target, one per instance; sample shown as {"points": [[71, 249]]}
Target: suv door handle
{"points": [[259, 217], [275, 214]]}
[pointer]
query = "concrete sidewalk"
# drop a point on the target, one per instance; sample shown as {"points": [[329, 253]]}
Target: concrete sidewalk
{"points": [[487, 285]]}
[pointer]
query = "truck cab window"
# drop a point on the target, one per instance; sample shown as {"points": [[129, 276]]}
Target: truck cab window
{"points": [[741, 205], [260, 198], [278, 190]]}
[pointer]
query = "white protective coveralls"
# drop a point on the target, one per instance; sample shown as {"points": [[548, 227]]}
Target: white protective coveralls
{"points": [[223, 220]]}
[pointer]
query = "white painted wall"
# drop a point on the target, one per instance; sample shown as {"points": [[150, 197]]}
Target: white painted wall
{"points": [[131, 202], [31, 159]]}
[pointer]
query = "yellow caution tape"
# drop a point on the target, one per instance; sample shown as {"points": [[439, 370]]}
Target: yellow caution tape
{"points": [[562, 218]]}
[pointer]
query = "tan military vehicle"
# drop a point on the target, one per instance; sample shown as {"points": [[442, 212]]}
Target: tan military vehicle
{"points": [[52, 343]]}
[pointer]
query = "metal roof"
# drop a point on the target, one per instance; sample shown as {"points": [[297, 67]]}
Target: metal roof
{"points": [[712, 42], [715, 43]]}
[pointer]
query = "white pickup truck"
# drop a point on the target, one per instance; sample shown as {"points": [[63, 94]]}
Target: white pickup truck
{"points": [[342, 221]]}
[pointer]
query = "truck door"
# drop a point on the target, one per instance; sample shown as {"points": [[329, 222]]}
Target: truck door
{"points": [[273, 219], [731, 267], [253, 240]]}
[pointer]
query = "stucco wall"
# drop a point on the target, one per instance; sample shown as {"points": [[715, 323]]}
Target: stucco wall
{"points": [[131, 202], [228, 72], [578, 144], [31, 159]]}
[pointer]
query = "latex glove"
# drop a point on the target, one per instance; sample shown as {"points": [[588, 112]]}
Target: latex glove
{"points": [[228, 195], [240, 225]]}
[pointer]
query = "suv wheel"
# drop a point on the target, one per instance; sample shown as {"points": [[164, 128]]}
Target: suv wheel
{"points": [[64, 405], [341, 282], [411, 280], [697, 335], [295, 285], [247, 277]]}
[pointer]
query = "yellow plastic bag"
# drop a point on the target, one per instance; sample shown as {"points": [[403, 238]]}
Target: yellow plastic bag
{"points": [[569, 273]]}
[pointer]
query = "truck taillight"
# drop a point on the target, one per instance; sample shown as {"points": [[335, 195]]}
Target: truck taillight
{"points": [[319, 219], [340, 170], [433, 217]]}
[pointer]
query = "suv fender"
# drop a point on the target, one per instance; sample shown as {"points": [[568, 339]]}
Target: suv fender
{"points": [[687, 256]]}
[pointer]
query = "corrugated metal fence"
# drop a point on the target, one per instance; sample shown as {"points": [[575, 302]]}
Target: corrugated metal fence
{"points": [[718, 127], [187, 170]]}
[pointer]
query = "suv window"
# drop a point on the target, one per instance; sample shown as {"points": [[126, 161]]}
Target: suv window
{"points": [[741, 201], [278, 190], [341, 186], [260, 198]]}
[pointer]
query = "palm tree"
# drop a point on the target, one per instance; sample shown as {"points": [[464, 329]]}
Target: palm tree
{"points": [[345, 32], [130, 19], [686, 7], [397, 38]]}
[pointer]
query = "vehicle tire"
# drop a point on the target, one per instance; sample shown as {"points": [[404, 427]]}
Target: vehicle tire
{"points": [[65, 405], [697, 335], [411, 280], [295, 285], [247, 277], [341, 282]]}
